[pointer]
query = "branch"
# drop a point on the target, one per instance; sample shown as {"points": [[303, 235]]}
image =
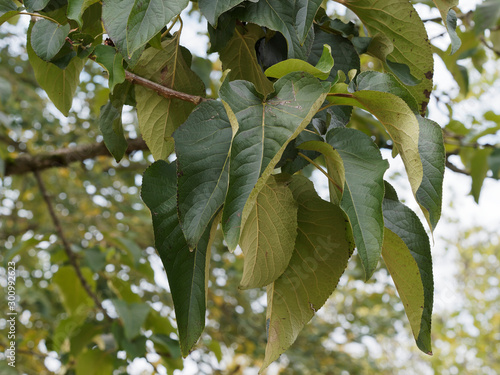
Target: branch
{"points": [[62, 158], [454, 168], [73, 260], [162, 90]]}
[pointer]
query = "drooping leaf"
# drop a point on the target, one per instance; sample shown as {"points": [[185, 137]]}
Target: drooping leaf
{"points": [[76, 8], [265, 127], [405, 224], [363, 191], [47, 38], [59, 84], [406, 276], [186, 270], [110, 124], [133, 316], [202, 146], [342, 50], [478, 169], [239, 56], [399, 27], [147, 18], [73, 296], [159, 116], [398, 120], [35, 5], [112, 61], [321, 70], [292, 18], [431, 148], [322, 250], [451, 25], [212, 9], [268, 237]]}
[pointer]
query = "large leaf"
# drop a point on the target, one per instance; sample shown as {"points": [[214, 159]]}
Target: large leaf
{"points": [[478, 169], [59, 84], [486, 15], [399, 27], [268, 237], [363, 191], [202, 146], [405, 224], [322, 250], [35, 5], [186, 270], [399, 121], [96, 362], [158, 116], [147, 18], [292, 18], [8, 9], [73, 295], [431, 147], [239, 56], [47, 38], [212, 9], [265, 127]]}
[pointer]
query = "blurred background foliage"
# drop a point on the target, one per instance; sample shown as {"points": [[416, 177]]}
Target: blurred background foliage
{"points": [[129, 327]]}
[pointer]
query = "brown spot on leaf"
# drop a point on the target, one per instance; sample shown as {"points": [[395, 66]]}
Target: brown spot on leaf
{"points": [[429, 75]]}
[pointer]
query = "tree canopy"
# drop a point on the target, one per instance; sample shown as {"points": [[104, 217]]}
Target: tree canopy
{"points": [[221, 149]]}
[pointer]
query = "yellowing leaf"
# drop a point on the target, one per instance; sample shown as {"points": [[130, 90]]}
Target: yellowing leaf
{"points": [[322, 250], [268, 237]]}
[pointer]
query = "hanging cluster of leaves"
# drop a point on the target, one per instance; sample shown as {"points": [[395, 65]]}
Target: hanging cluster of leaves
{"points": [[291, 78]]}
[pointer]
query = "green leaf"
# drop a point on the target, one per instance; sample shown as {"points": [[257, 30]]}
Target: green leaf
{"points": [[406, 276], [494, 163], [384, 82], [321, 70], [478, 169], [115, 15], [110, 124], [8, 9], [399, 121], [363, 191], [73, 295], [159, 116], [202, 146], [486, 15], [47, 38], [451, 25], [265, 127], [166, 344], [95, 362], [342, 50], [112, 61], [59, 84], [292, 18], [399, 27], [268, 237], [431, 148], [35, 5], [322, 250], [212, 9], [147, 18], [239, 56], [404, 223], [334, 165], [133, 316], [76, 8], [186, 270]]}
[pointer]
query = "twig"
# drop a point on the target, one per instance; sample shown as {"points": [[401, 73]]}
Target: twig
{"points": [[62, 158], [71, 255], [322, 171], [162, 90], [454, 168]]}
